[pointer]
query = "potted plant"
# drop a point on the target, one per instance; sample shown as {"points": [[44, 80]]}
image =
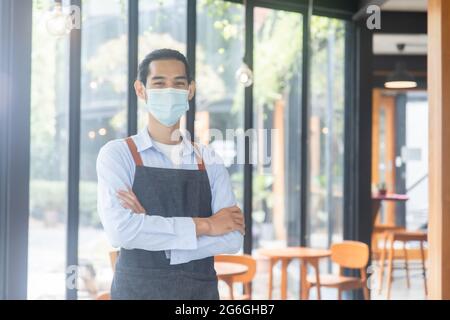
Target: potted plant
{"points": [[382, 190]]}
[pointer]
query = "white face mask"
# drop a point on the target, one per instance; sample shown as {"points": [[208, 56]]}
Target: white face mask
{"points": [[167, 105]]}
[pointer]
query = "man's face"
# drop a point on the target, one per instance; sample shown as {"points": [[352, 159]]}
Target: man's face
{"points": [[166, 74]]}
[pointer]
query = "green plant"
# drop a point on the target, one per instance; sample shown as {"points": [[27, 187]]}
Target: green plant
{"points": [[381, 186]]}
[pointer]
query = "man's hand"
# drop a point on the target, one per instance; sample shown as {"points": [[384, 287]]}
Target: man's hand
{"points": [[224, 221], [128, 200]]}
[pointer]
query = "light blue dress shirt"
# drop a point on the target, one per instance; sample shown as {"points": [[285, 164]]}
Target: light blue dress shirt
{"points": [[176, 235]]}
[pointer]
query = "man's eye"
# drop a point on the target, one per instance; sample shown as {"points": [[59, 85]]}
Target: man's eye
{"points": [[180, 84], [158, 83]]}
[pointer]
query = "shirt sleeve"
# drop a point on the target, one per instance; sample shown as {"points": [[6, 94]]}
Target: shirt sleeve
{"points": [[222, 197], [124, 228]]}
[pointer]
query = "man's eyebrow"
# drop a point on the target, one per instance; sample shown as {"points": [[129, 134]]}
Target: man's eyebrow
{"points": [[181, 78], [158, 78]]}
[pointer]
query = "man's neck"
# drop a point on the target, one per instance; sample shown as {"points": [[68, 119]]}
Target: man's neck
{"points": [[163, 134]]}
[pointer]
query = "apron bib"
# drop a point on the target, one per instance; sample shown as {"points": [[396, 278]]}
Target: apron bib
{"points": [[141, 274]]}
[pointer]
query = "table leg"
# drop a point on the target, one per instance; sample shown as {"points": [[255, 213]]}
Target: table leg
{"points": [[303, 279], [315, 264], [229, 283], [284, 265], [376, 205]]}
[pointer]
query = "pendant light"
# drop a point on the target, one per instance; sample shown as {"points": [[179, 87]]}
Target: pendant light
{"points": [[400, 78], [244, 75]]}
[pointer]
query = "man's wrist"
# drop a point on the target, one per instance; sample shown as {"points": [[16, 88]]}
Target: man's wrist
{"points": [[202, 226]]}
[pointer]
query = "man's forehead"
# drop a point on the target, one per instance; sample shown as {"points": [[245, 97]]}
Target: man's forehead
{"points": [[168, 67]]}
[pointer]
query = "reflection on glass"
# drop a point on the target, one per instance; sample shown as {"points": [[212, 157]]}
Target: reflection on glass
{"points": [[220, 98], [276, 148], [326, 129], [103, 118], [277, 104], [162, 24], [48, 163]]}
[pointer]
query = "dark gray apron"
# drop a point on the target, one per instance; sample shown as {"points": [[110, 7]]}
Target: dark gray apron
{"points": [[141, 274]]}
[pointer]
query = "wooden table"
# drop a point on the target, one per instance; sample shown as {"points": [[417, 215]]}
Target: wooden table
{"points": [[378, 198], [383, 229], [227, 270], [286, 255]]}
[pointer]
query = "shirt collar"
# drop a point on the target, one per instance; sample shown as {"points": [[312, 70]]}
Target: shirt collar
{"points": [[144, 141]]}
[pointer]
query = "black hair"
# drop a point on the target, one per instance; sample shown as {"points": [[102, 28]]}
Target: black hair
{"points": [[161, 54]]}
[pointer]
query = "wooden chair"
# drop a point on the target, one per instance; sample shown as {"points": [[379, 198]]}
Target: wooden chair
{"points": [[351, 255], [113, 258], [246, 278], [404, 236], [379, 235], [103, 296]]}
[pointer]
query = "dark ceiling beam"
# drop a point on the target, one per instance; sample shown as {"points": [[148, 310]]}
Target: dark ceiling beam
{"points": [[403, 22], [387, 62], [362, 8]]}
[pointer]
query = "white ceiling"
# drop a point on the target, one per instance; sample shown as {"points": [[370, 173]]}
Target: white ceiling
{"points": [[405, 5], [415, 44]]}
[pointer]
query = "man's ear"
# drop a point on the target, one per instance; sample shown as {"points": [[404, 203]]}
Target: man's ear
{"points": [[140, 90], [192, 89]]}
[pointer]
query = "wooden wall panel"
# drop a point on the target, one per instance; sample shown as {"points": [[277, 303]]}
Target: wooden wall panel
{"points": [[439, 144]]}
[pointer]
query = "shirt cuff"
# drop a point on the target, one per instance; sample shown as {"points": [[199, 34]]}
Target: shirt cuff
{"points": [[187, 236]]}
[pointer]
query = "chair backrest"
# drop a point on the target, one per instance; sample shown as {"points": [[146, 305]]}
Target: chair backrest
{"points": [[244, 259], [113, 257], [350, 254]]}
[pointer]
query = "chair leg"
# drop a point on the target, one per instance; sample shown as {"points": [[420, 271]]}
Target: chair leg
{"points": [[390, 262], [405, 252], [339, 294], [382, 260], [271, 264], [422, 255]]}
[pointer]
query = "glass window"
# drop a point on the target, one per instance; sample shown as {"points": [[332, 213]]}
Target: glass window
{"points": [[162, 24], [276, 148], [277, 104], [48, 163], [326, 132], [104, 87], [220, 98]]}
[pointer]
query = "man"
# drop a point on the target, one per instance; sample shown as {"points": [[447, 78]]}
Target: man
{"points": [[167, 203]]}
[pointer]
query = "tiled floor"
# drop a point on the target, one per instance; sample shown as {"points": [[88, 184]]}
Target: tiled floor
{"points": [[400, 290]]}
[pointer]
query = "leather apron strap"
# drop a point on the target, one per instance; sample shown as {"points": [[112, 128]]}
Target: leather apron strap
{"points": [[138, 160]]}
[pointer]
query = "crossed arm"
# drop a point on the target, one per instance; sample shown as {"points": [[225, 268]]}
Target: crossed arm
{"points": [[185, 238]]}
